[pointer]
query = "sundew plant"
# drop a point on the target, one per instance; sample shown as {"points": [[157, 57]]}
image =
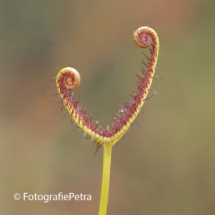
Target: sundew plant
{"points": [[68, 79]]}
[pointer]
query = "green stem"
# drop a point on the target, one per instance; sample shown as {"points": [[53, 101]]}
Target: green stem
{"points": [[105, 179]]}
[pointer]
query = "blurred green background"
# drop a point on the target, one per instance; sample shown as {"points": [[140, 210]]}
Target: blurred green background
{"points": [[167, 167]]}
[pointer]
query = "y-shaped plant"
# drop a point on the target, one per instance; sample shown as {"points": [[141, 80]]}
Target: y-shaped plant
{"points": [[68, 79]]}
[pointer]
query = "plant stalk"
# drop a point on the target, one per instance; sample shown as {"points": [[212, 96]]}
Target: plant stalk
{"points": [[107, 149]]}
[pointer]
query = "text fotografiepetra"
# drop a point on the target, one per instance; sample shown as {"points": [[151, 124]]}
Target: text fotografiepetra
{"points": [[57, 197]]}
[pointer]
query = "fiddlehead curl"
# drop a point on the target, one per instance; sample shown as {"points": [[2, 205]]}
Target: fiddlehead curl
{"points": [[68, 79], [142, 37]]}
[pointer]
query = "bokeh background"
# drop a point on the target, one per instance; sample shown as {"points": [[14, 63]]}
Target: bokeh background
{"points": [[167, 167]]}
